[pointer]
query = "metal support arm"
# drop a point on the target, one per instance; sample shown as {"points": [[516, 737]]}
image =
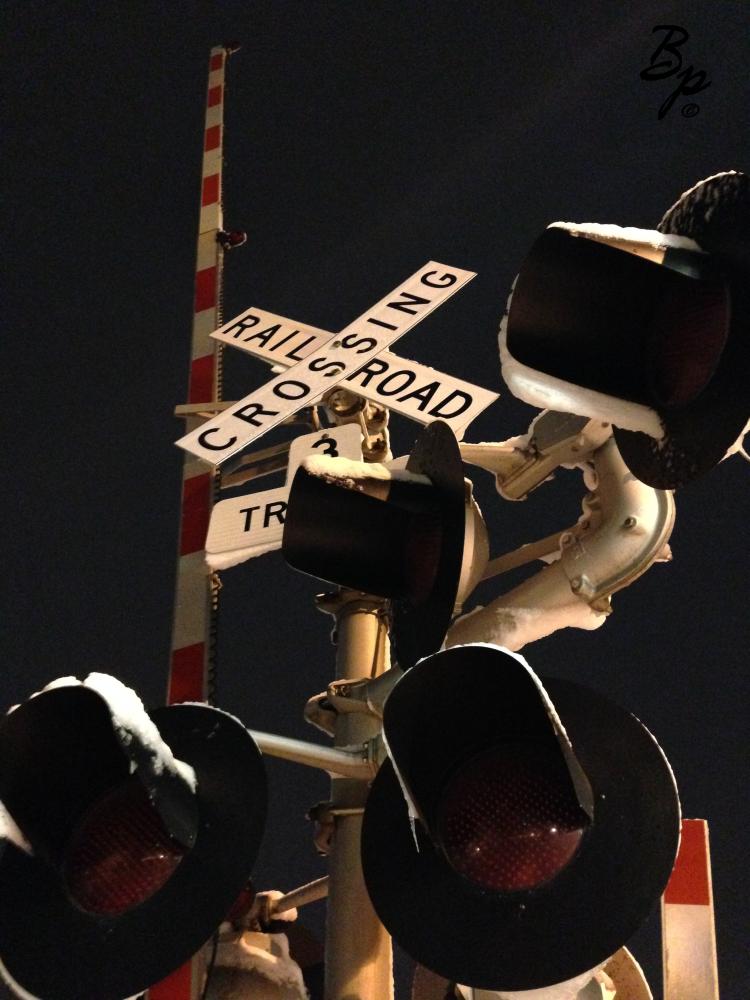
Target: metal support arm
{"points": [[344, 762], [624, 529]]}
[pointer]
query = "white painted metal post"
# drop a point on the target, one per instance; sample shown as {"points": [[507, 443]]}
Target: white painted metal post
{"points": [[359, 957]]}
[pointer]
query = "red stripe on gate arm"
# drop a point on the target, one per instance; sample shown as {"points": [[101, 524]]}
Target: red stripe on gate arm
{"points": [[201, 388], [196, 511], [186, 675], [210, 193], [216, 62], [212, 139], [205, 288], [214, 96], [177, 986], [689, 881]]}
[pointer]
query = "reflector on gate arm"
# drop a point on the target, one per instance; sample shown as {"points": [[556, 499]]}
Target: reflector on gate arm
{"points": [[131, 868], [687, 920], [645, 329], [394, 535], [535, 809]]}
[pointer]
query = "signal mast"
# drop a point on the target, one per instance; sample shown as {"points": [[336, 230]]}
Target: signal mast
{"points": [[356, 427], [477, 811]]}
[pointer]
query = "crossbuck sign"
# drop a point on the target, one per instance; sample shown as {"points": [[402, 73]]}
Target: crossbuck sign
{"points": [[404, 386], [306, 381]]}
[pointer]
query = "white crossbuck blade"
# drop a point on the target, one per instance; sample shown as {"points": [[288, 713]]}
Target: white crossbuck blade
{"points": [[306, 381], [413, 390], [248, 526]]}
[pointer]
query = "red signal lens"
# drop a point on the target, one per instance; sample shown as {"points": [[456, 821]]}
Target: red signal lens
{"points": [[508, 819], [121, 853]]}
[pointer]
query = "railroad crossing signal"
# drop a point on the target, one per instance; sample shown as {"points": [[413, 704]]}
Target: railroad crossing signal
{"points": [[244, 527], [520, 830], [399, 536], [661, 349], [140, 834]]}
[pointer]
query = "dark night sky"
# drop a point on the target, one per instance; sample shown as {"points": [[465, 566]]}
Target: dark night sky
{"points": [[362, 139]]}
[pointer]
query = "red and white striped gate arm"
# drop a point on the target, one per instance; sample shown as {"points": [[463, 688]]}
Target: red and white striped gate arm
{"points": [[195, 596], [189, 668], [687, 920]]}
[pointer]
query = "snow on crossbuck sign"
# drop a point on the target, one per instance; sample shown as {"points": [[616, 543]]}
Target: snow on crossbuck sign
{"points": [[307, 380]]}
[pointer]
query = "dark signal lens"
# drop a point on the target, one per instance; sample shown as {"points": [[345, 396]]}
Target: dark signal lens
{"points": [[508, 819], [422, 555], [121, 853], [686, 344]]}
